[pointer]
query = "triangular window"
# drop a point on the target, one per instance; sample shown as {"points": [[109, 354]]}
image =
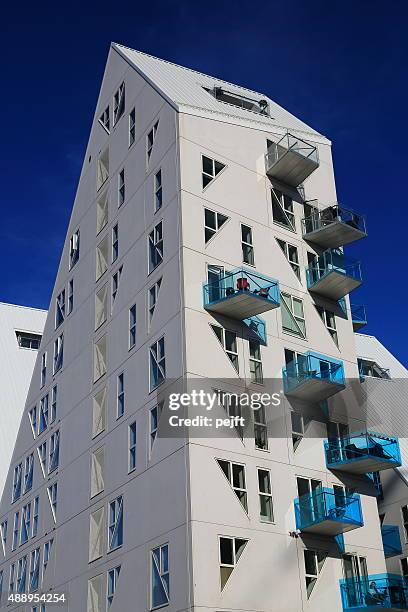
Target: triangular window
{"points": [[97, 472], [235, 474], [211, 169], [99, 413], [231, 550], [102, 212], [213, 222], [228, 340], [282, 209], [95, 587], [101, 306], [293, 318], [103, 169]]}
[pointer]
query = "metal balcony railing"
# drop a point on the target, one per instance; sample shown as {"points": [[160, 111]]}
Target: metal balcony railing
{"points": [[334, 226], [291, 159], [333, 275], [327, 512], [391, 540], [358, 316], [362, 452], [374, 592], [313, 377]]}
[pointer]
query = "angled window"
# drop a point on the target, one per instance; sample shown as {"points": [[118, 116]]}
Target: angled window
{"points": [[155, 414], [255, 361], [120, 400], [101, 306], [95, 597], [42, 457], [28, 473], [132, 446], [132, 127], [313, 564], [235, 474], [27, 340], [74, 249], [160, 577], [404, 514], [115, 527], [158, 191], [36, 516], [293, 318], [25, 524], [260, 429], [102, 258], [102, 169], [157, 363], [213, 222], [100, 358], [96, 534], [282, 209], [54, 400], [115, 284], [119, 103], [70, 296], [228, 340], [298, 429], [44, 414], [99, 413], [329, 320], [12, 577], [132, 326], [231, 404], [247, 245], [256, 105], [43, 368], [156, 246], [115, 243], [17, 481], [16, 530], [52, 492], [113, 576], [60, 309], [291, 254], [46, 555], [58, 353], [265, 495], [153, 296], [210, 169], [151, 137], [3, 535], [231, 550], [104, 119], [102, 212], [121, 188], [97, 471], [32, 415], [22, 574], [54, 449], [34, 575]]}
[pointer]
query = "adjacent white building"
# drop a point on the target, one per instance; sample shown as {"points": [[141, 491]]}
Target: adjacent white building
{"points": [[205, 245]]}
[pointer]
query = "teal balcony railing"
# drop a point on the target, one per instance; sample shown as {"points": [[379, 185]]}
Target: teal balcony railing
{"points": [[358, 316], [391, 540], [333, 275], [313, 377], [362, 452], [291, 160], [374, 592], [333, 227], [241, 294], [328, 512]]}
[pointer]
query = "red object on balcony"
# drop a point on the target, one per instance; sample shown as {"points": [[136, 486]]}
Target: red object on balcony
{"points": [[242, 284]]}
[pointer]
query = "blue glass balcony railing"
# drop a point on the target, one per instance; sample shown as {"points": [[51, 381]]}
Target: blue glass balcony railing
{"points": [[313, 377], [241, 294], [391, 540], [358, 316], [374, 592], [333, 275], [291, 160], [328, 512], [362, 452], [333, 226]]}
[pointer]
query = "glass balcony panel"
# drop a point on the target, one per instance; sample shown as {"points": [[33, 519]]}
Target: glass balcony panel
{"points": [[333, 227], [291, 160], [358, 316], [326, 512], [333, 275], [379, 591], [391, 540], [313, 377], [361, 453]]}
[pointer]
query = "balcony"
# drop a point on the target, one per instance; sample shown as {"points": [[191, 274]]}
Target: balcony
{"points": [[313, 377], [358, 316], [386, 592], [333, 227], [326, 512], [391, 540], [291, 160], [241, 294], [333, 275], [363, 452]]}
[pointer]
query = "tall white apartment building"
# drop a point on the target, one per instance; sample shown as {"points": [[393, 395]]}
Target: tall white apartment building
{"points": [[205, 244]]}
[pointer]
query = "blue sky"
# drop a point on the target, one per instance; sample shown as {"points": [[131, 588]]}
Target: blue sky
{"points": [[341, 67]]}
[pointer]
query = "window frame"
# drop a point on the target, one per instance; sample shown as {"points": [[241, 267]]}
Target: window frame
{"points": [[247, 246]]}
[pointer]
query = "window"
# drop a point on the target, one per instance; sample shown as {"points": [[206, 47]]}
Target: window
{"points": [[28, 340], [115, 283], [228, 340], [58, 353], [54, 400], [100, 355], [153, 296], [160, 576], [95, 587], [53, 462], [25, 524], [1, 583], [151, 137], [158, 191], [132, 446], [119, 103], [36, 516], [96, 534], [132, 326], [102, 169], [32, 415], [298, 429], [28, 473], [99, 413], [313, 565], [102, 258], [115, 528], [3, 535], [12, 577], [291, 254], [104, 119], [404, 512], [102, 212], [44, 414], [293, 318], [156, 246], [47, 554], [115, 243], [132, 127], [329, 319], [155, 414], [74, 249], [17, 478], [60, 309], [113, 576], [53, 499], [255, 362], [22, 574], [43, 368], [404, 567], [34, 575], [120, 401], [213, 222], [235, 474], [231, 550], [247, 245], [265, 495], [282, 209], [42, 457], [210, 169], [157, 363], [70, 296], [121, 187], [16, 530], [237, 99], [260, 429], [97, 472]]}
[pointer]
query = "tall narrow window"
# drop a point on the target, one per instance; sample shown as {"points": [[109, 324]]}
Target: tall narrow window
{"points": [[22, 574], [132, 326], [255, 361], [156, 246], [47, 554], [230, 551], [102, 169], [102, 212], [54, 446], [34, 575], [213, 222], [25, 524], [247, 245], [16, 530], [28, 473], [293, 317], [104, 119], [155, 413], [100, 358], [32, 415], [70, 296], [313, 564], [404, 512], [329, 320], [42, 457], [298, 429], [291, 254], [17, 480], [115, 284], [44, 414], [158, 190], [101, 306], [99, 413], [404, 567], [36, 516], [153, 295], [97, 472], [3, 535], [101, 264], [53, 499], [115, 529], [260, 429], [157, 363], [235, 474], [265, 495], [228, 341], [121, 187], [120, 403], [115, 242], [96, 534], [210, 169], [58, 353], [160, 576], [132, 127], [43, 368], [74, 249], [132, 446], [118, 103], [151, 137], [12, 578], [282, 209], [60, 309], [113, 576], [95, 594]]}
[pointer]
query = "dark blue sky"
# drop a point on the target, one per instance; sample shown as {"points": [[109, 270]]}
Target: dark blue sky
{"points": [[340, 66]]}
